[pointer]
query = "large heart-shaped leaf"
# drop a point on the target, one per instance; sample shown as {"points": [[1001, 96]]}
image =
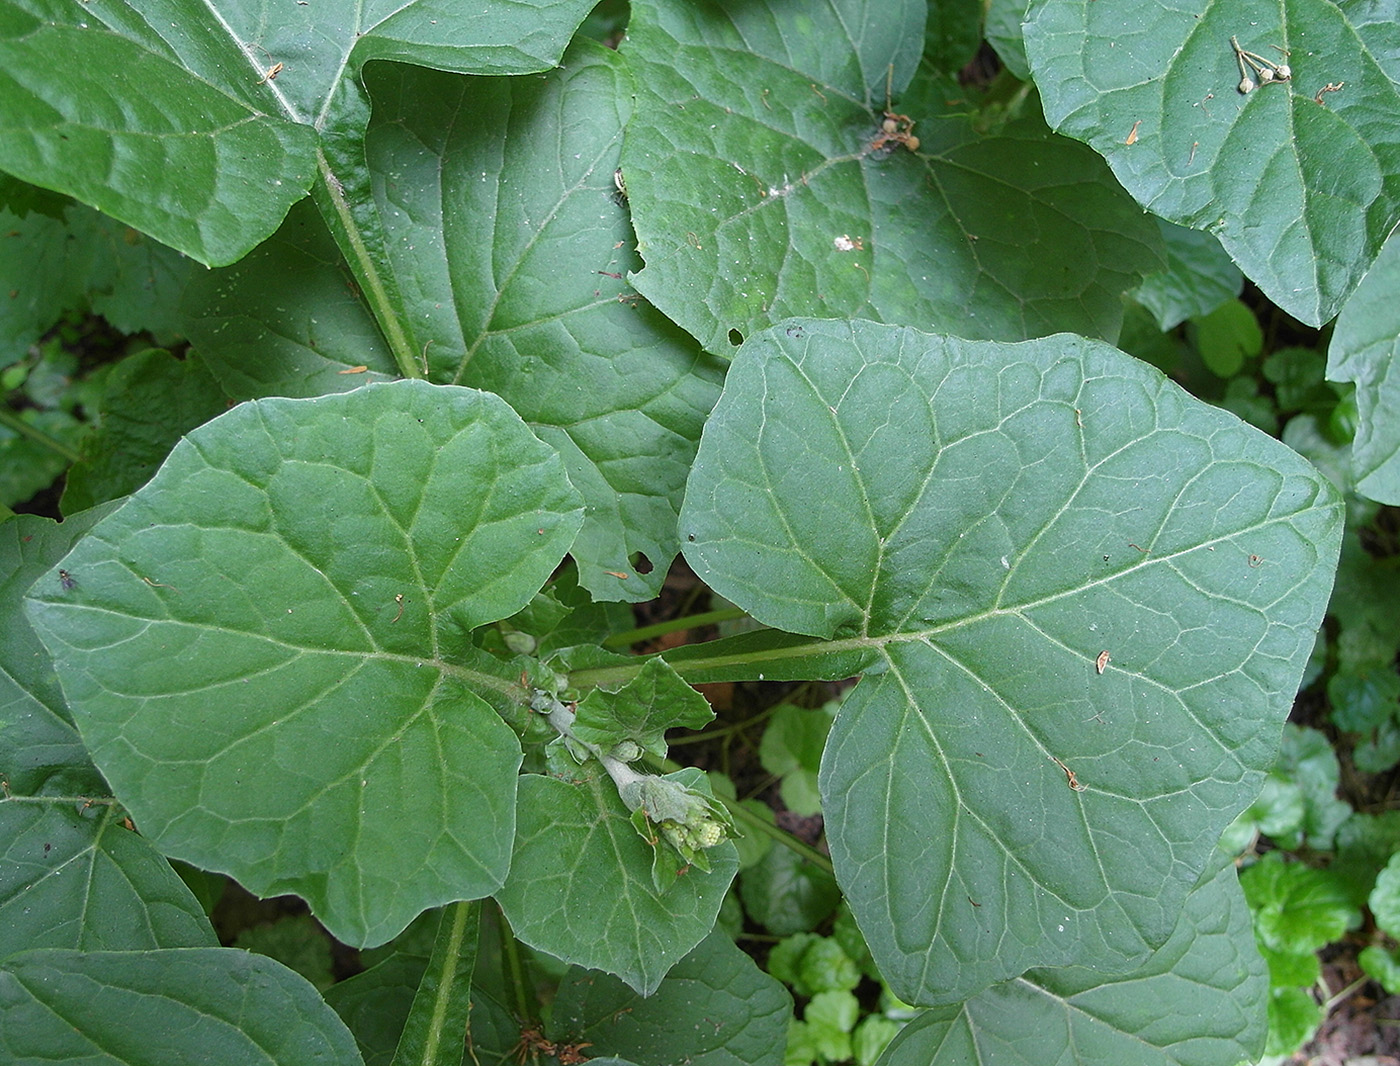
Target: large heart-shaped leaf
{"points": [[1198, 1000], [266, 649], [1092, 597], [1300, 179], [762, 185], [1365, 349], [508, 243], [199, 123]]}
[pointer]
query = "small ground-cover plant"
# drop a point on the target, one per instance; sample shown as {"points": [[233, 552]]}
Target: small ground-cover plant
{"points": [[764, 286]]}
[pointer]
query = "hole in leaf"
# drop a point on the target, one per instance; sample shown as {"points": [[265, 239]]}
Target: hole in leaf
{"points": [[736, 338], [640, 563]]}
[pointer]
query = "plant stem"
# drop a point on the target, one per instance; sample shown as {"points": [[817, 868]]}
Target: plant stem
{"points": [[780, 836], [660, 629], [12, 421]]}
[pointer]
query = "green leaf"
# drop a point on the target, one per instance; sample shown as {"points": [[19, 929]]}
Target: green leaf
{"points": [[1296, 908], [1301, 191], [791, 748], [1227, 337], [1385, 898], [952, 35], [825, 967], [442, 1005], [786, 894], [72, 876], [1364, 697], [1199, 999], [653, 701], [760, 187], [519, 288], [1382, 965], [40, 750], [1003, 32], [199, 124], [1296, 375], [573, 837], [165, 1008], [1291, 968], [285, 320], [297, 942], [1198, 279], [715, 1008], [54, 264], [295, 588], [1293, 1018], [830, 1017], [1307, 758], [1364, 349], [149, 400], [991, 518]]}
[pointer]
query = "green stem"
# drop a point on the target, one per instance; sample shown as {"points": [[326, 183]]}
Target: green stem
{"points": [[438, 1029], [12, 421], [660, 629], [367, 274], [779, 836]]}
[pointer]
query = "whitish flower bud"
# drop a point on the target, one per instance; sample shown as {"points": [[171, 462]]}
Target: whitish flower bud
{"points": [[1266, 75], [1284, 72], [1246, 85]]}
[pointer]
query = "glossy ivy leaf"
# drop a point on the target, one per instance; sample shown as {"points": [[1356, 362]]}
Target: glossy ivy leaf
{"points": [[1197, 1001], [295, 589], [1302, 190], [1297, 908], [1198, 279], [164, 1008], [1365, 349], [715, 1008], [581, 889], [199, 124], [762, 186], [641, 711], [1091, 597]]}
